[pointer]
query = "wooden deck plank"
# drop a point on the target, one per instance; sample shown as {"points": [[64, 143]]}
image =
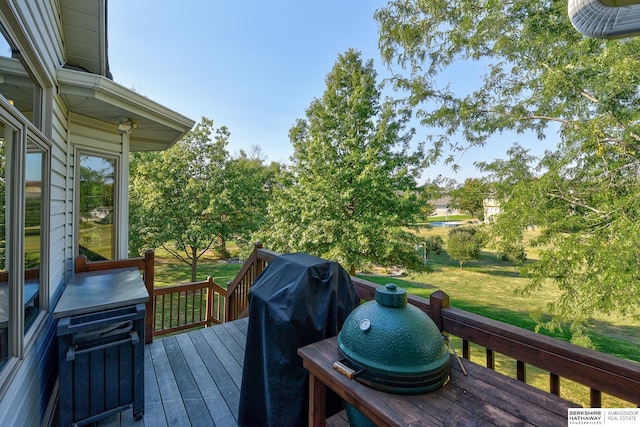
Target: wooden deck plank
{"points": [[174, 409], [184, 378], [211, 394], [191, 397], [151, 391], [229, 390], [226, 357], [154, 415], [238, 333], [230, 343]]}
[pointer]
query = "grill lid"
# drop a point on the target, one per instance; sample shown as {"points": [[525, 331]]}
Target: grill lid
{"points": [[394, 346]]}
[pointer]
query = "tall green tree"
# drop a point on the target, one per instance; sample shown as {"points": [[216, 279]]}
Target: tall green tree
{"points": [[351, 190], [241, 204], [173, 195], [194, 197], [544, 78]]}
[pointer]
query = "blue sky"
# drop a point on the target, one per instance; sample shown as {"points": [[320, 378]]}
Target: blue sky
{"points": [[253, 66]]}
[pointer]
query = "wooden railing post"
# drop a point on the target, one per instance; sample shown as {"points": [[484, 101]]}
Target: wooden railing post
{"points": [[437, 301], [81, 263], [149, 264], [210, 301], [259, 265]]}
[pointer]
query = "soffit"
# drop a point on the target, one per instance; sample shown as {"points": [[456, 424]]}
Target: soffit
{"points": [[84, 35], [102, 99]]}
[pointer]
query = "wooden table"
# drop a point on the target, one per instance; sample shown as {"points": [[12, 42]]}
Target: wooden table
{"points": [[482, 398]]}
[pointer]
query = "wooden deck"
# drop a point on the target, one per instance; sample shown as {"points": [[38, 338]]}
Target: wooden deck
{"points": [[193, 379]]}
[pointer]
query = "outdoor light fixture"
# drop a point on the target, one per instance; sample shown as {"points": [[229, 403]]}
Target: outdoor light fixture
{"points": [[126, 126]]}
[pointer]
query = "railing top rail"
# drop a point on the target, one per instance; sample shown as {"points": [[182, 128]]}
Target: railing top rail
{"points": [[182, 287], [610, 374], [109, 264], [260, 254]]}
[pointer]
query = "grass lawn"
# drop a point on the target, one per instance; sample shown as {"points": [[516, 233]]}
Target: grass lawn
{"points": [[169, 271]]}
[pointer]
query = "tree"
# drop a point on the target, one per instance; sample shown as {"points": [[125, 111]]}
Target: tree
{"points": [[351, 191], [241, 205], [433, 244], [542, 77], [469, 197], [193, 197], [463, 244], [513, 252]]}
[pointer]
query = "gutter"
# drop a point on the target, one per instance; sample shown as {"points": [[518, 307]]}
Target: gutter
{"points": [[594, 18]]}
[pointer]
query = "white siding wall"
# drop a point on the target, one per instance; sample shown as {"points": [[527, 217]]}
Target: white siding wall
{"points": [[34, 25]]}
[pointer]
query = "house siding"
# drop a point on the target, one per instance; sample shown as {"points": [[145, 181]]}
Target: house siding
{"points": [[26, 400], [35, 26]]}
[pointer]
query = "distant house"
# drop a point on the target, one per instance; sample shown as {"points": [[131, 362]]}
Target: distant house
{"points": [[59, 107], [491, 209], [443, 207], [101, 212]]}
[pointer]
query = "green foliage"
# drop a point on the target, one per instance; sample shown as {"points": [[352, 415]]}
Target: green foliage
{"points": [[434, 244], [463, 244], [513, 252], [469, 197], [351, 188], [194, 197], [542, 77]]}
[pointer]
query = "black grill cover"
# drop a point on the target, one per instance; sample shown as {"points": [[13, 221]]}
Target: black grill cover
{"points": [[297, 300]]}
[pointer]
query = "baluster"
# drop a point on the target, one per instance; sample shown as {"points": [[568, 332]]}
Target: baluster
{"points": [[554, 384], [522, 371], [164, 309], [596, 398], [491, 359]]}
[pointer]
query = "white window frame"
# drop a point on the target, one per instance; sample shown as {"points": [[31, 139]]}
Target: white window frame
{"points": [[117, 196], [19, 342]]}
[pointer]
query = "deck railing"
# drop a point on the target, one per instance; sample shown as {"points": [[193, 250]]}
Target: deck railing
{"points": [[187, 306], [182, 306], [170, 309], [238, 290], [601, 373]]}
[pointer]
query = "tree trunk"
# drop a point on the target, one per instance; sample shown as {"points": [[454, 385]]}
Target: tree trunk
{"points": [[223, 246], [194, 264]]}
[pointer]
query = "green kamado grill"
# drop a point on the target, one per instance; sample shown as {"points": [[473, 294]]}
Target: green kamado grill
{"points": [[392, 346]]}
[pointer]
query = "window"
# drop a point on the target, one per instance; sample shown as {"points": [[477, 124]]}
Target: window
{"points": [[6, 141], [33, 220], [16, 84], [24, 207], [97, 196]]}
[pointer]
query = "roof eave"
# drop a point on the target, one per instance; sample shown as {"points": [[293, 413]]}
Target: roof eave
{"points": [[98, 97]]}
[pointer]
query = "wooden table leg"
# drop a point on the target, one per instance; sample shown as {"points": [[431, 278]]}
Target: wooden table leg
{"points": [[317, 402]]}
